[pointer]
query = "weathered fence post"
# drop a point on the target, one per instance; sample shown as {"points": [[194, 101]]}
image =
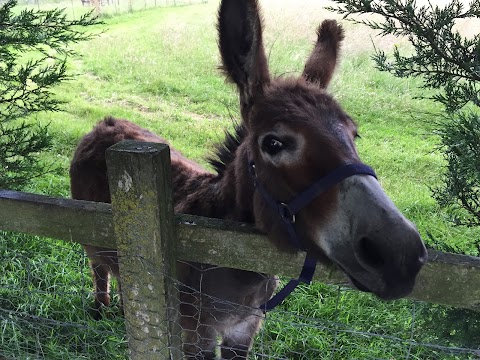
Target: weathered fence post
{"points": [[144, 227]]}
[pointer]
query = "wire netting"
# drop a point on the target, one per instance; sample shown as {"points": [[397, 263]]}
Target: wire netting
{"points": [[332, 322], [46, 303], [47, 312]]}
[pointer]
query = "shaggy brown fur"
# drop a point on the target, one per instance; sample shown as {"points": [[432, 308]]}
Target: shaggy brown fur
{"points": [[313, 136], [195, 192]]}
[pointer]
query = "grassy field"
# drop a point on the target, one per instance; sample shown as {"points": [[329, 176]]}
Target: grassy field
{"points": [[158, 68]]}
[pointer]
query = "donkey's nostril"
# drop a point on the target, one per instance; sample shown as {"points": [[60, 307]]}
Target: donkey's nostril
{"points": [[369, 253]]}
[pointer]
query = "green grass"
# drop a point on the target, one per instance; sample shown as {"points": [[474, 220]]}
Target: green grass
{"points": [[45, 297], [158, 68]]}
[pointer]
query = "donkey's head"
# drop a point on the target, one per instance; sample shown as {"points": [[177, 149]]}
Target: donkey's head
{"points": [[298, 134]]}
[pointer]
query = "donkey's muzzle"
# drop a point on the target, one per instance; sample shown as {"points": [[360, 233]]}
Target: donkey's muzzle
{"points": [[389, 266], [381, 251]]}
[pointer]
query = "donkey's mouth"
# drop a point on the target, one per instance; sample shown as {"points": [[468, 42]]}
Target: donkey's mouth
{"points": [[358, 285], [354, 282], [400, 290], [380, 288]]}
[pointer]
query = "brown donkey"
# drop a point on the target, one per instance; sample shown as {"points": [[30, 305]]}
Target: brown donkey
{"points": [[293, 134]]}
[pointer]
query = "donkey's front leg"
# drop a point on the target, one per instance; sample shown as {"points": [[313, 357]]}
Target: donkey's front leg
{"points": [[199, 343]]}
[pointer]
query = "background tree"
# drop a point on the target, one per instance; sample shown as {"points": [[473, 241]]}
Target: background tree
{"points": [[34, 48], [449, 64]]}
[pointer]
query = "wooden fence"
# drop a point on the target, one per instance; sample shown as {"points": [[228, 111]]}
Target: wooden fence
{"points": [[140, 223]]}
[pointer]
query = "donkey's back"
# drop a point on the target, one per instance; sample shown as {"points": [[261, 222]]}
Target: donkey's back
{"points": [[88, 181], [229, 298]]}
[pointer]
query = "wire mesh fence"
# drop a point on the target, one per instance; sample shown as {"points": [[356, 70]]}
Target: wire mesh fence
{"points": [[46, 301], [328, 322], [47, 312]]}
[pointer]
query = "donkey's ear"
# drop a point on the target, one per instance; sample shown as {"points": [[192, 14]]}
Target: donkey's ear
{"points": [[323, 59], [241, 47]]}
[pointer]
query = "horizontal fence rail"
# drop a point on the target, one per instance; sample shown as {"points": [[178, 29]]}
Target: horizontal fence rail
{"points": [[447, 279]]}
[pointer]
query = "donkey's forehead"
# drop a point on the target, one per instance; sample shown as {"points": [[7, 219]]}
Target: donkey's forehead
{"points": [[298, 102]]}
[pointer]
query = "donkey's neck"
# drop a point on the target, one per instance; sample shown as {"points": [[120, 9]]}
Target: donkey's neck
{"points": [[225, 196]]}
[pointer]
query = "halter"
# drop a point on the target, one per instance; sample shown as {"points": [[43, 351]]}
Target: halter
{"points": [[288, 211]]}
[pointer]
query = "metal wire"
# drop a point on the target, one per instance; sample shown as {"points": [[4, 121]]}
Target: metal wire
{"points": [[47, 312]]}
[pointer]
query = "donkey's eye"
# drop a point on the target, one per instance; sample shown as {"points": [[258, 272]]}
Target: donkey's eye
{"points": [[271, 145]]}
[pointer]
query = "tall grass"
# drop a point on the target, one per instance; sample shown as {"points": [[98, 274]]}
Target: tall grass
{"points": [[158, 68]]}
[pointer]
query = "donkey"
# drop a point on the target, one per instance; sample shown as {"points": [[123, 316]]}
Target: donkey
{"points": [[293, 134]]}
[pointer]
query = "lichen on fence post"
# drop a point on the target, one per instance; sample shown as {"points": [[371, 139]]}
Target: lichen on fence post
{"points": [[144, 227]]}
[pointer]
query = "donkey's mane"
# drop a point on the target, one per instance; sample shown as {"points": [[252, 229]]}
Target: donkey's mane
{"points": [[224, 153], [298, 134]]}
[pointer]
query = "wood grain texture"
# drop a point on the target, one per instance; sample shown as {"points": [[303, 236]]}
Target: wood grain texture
{"points": [[83, 222], [143, 222], [448, 279]]}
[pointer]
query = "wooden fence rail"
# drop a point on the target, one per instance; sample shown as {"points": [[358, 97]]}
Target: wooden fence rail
{"points": [[140, 223]]}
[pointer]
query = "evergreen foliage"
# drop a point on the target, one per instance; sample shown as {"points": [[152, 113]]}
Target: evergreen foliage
{"points": [[449, 64], [34, 48], [461, 186]]}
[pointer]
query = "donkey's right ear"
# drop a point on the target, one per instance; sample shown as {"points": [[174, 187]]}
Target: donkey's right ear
{"points": [[241, 48]]}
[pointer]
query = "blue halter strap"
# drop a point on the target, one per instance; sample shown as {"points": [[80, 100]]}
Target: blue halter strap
{"points": [[288, 211]]}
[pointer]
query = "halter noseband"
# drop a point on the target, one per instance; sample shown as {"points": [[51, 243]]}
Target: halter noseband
{"points": [[288, 211]]}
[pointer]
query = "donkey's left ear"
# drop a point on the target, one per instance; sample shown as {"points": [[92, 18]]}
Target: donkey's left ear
{"points": [[321, 64], [241, 48]]}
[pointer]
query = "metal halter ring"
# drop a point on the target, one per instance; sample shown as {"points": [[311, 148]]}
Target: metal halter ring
{"points": [[286, 213], [251, 169]]}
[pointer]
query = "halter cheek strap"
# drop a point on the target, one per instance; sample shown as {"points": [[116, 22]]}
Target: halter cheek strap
{"points": [[288, 211]]}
